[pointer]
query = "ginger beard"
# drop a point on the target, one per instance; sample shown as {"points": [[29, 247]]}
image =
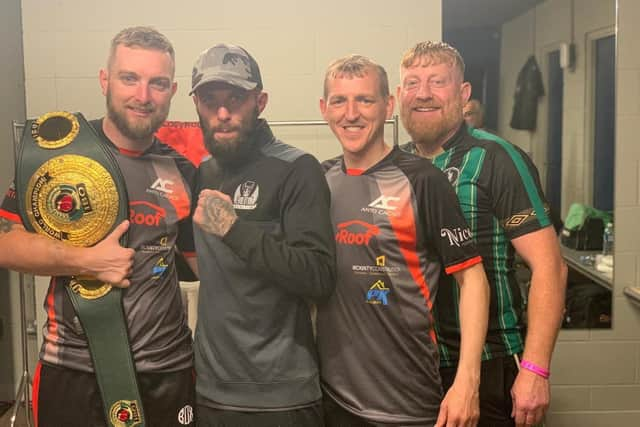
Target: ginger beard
{"points": [[432, 131]]}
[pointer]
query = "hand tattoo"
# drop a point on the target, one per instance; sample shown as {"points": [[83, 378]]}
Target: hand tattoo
{"points": [[219, 216]]}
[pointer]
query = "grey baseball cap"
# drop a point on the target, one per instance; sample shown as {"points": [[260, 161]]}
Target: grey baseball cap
{"points": [[226, 63]]}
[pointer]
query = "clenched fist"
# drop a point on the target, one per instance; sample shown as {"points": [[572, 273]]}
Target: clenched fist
{"points": [[214, 213]]}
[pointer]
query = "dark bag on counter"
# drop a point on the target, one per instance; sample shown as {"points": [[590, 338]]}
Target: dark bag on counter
{"points": [[583, 227], [586, 238], [588, 305]]}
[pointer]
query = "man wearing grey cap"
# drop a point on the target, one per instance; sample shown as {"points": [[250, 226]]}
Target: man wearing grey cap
{"points": [[265, 253]]}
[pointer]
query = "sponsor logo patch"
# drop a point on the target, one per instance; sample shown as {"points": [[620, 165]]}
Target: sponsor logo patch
{"points": [[356, 232], [457, 237], [379, 269], [145, 213], [162, 188], [161, 246], [159, 269], [377, 294], [383, 205]]}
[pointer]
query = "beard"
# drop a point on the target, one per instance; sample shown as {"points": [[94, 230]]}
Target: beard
{"points": [[139, 130], [230, 151], [432, 133]]}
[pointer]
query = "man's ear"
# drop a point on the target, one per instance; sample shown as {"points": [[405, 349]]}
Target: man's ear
{"points": [[391, 103], [263, 98], [323, 107], [465, 92], [104, 80]]}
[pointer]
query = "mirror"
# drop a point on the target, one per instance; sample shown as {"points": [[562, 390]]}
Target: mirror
{"points": [[569, 135]]}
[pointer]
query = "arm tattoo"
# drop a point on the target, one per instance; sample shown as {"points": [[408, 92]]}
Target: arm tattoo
{"points": [[5, 225], [219, 216]]}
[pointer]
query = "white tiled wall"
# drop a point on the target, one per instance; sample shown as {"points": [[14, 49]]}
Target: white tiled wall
{"points": [[66, 42]]}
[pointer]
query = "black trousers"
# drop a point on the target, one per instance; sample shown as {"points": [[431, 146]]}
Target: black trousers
{"points": [[336, 416], [68, 398], [310, 416], [496, 379]]}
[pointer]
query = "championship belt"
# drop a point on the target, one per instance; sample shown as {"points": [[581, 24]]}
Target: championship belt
{"points": [[69, 187]]}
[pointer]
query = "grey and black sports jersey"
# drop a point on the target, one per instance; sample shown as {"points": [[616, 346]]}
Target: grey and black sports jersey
{"points": [[158, 183], [397, 226], [501, 197], [254, 348]]}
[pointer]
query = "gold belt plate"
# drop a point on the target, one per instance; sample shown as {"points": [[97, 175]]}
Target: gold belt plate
{"points": [[72, 198]]}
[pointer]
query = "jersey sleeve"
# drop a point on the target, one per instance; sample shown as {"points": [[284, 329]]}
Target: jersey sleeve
{"points": [[185, 240], [517, 198], [303, 260], [446, 229], [9, 207]]}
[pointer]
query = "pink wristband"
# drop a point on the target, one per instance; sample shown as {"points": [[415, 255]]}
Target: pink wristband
{"points": [[525, 364]]}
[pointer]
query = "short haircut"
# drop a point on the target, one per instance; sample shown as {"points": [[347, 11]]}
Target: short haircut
{"points": [[141, 37], [433, 53], [356, 65]]}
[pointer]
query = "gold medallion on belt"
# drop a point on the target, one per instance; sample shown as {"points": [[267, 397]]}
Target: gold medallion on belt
{"points": [[73, 199], [55, 129]]}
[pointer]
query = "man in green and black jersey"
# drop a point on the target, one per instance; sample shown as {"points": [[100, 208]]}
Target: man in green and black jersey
{"points": [[499, 192]]}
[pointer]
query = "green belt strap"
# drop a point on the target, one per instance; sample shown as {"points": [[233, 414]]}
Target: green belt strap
{"points": [[69, 187]]}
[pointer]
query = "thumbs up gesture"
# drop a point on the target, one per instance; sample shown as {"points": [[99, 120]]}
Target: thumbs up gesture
{"points": [[109, 262]]}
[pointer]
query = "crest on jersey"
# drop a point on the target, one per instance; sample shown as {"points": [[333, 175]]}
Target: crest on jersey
{"points": [[246, 196]]}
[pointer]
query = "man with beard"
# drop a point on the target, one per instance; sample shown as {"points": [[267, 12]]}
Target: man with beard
{"points": [[265, 254], [501, 197], [138, 83], [399, 231]]}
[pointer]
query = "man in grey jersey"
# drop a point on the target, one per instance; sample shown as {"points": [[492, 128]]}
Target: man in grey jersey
{"points": [[138, 83], [399, 231]]}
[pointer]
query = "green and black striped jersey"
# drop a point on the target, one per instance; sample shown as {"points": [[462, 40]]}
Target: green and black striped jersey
{"points": [[501, 197]]}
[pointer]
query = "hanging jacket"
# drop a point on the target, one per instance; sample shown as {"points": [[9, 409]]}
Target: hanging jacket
{"points": [[529, 88]]}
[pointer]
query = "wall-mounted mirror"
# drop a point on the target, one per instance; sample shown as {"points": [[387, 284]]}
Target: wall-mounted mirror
{"points": [[569, 133]]}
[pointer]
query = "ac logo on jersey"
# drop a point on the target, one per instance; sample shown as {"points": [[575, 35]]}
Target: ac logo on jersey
{"points": [[383, 205], [377, 293], [246, 195], [162, 188], [163, 185]]}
